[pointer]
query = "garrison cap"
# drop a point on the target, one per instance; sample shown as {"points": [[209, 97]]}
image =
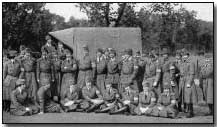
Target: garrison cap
{"points": [[166, 85]]}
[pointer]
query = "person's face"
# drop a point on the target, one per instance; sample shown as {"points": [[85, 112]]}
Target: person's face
{"points": [[166, 91], [112, 55], [178, 57], [185, 57], [145, 88], [108, 86], [60, 45], [88, 84], [106, 53], [23, 86], [127, 89], [49, 41], [99, 54], [28, 55]]}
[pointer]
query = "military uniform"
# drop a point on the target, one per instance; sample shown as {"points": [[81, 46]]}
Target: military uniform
{"points": [[45, 101], [152, 74], [68, 68], [187, 89], [132, 97], [110, 97], [44, 71], [29, 65], [146, 100], [12, 71], [68, 96], [50, 49], [57, 77], [141, 61], [113, 72], [85, 65], [100, 71], [129, 70], [88, 94], [166, 106], [20, 101], [206, 73]]}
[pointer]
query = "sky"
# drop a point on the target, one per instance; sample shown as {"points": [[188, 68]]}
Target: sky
{"points": [[204, 10]]}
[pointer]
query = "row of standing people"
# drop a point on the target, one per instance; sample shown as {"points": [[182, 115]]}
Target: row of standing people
{"points": [[157, 71]]}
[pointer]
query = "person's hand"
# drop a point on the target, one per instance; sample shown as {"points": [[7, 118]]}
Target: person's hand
{"points": [[38, 80], [126, 102], [197, 82], [69, 103], [27, 109], [65, 67], [40, 113], [160, 107], [188, 85], [155, 84], [22, 69]]}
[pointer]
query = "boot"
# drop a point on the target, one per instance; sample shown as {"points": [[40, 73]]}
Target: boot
{"points": [[186, 108], [121, 110], [92, 108], [190, 113], [180, 107], [210, 110]]}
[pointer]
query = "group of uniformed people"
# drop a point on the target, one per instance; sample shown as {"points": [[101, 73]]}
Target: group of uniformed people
{"points": [[150, 84]]}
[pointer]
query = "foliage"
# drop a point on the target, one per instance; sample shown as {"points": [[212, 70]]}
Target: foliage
{"points": [[162, 24]]}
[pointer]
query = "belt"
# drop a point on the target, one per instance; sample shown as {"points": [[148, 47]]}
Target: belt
{"points": [[86, 69]]}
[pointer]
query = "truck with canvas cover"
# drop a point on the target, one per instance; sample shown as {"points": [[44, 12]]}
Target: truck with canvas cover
{"points": [[118, 38]]}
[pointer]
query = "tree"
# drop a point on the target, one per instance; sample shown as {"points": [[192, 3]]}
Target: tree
{"points": [[102, 14]]}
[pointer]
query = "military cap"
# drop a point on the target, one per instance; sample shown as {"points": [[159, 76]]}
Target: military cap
{"points": [[12, 53], [20, 82], [129, 52], [146, 84], [100, 50], [172, 66], [127, 84], [47, 37]]}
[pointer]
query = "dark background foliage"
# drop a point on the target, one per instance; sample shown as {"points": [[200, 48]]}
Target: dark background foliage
{"points": [[161, 24]]}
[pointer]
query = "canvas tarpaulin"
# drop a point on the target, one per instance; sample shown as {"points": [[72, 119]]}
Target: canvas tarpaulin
{"points": [[118, 38]]}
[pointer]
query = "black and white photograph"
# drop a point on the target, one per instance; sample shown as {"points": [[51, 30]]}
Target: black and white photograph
{"points": [[106, 62]]}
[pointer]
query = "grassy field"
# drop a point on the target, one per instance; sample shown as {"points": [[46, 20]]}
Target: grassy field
{"points": [[77, 117]]}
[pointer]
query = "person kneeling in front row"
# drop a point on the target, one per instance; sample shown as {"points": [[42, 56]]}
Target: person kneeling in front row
{"points": [[147, 100], [166, 106], [92, 97], [47, 105], [21, 104]]}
